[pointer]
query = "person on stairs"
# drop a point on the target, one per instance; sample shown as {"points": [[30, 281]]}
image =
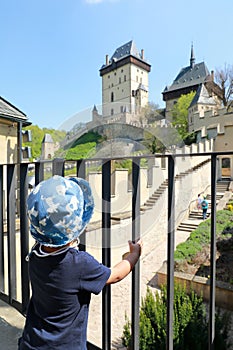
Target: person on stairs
{"points": [[204, 205], [198, 202]]}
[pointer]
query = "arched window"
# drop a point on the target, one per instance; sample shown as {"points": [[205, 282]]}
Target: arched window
{"points": [[112, 97]]}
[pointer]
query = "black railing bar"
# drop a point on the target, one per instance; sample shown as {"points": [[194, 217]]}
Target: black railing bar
{"points": [[24, 236], [11, 221], [170, 252], [4, 297], [92, 347], [1, 232], [39, 172], [135, 296], [106, 253], [58, 166], [81, 172], [81, 168], [156, 155], [212, 254], [135, 235]]}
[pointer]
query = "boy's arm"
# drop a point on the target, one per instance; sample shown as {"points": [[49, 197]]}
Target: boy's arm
{"points": [[124, 267]]}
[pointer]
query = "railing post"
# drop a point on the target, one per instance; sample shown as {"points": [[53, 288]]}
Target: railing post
{"points": [[170, 252], [106, 252], [81, 172], [24, 236], [212, 254], [11, 220], [58, 166], [39, 172], [135, 235], [1, 232], [81, 168]]}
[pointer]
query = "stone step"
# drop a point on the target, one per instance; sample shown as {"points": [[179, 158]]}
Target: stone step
{"points": [[150, 201], [144, 208], [184, 229], [187, 224]]}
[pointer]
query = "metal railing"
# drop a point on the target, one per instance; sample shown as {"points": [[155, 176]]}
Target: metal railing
{"points": [[13, 195]]}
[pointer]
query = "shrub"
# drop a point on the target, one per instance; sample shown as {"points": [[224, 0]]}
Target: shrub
{"points": [[201, 236], [189, 325]]}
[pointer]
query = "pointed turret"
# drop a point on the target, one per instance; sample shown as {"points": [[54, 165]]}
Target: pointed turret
{"points": [[192, 58]]}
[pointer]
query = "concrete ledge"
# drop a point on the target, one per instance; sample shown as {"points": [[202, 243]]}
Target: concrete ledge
{"points": [[201, 285]]}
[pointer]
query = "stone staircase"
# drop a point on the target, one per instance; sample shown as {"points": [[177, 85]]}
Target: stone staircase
{"points": [[162, 188], [195, 216]]}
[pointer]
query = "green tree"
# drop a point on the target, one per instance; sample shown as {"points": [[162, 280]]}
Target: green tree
{"points": [[190, 326], [37, 138], [180, 114]]}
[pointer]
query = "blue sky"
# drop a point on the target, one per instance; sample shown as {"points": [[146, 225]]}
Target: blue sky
{"points": [[52, 50]]}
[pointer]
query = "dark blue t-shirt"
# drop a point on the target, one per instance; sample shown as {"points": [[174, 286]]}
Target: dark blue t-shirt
{"points": [[61, 291]]}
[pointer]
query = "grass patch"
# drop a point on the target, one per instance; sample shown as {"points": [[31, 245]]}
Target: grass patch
{"points": [[201, 236]]}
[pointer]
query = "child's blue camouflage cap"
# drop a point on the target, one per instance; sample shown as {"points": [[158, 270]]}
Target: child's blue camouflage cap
{"points": [[59, 210]]}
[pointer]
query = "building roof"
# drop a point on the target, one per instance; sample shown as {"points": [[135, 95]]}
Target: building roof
{"points": [[125, 54], [47, 139], [192, 75], [189, 76], [126, 50], [202, 97], [9, 111]]}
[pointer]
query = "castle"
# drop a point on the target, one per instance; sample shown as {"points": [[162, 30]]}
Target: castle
{"points": [[125, 92]]}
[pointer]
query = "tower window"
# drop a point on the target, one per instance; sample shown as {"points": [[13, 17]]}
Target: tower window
{"points": [[119, 80], [112, 97], [122, 70], [112, 111], [124, 77]]}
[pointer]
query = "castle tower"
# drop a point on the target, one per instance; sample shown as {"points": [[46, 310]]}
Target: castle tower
{"points": [[47, 147], [188, 79], [124, 81]]}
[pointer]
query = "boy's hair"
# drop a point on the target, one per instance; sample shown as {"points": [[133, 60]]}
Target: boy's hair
{"points": [[59, 210]]}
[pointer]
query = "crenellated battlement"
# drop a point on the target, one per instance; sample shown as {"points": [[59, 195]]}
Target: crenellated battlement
{"points": [[203, 121]]}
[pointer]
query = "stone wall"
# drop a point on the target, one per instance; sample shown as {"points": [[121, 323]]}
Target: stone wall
{"points": [[200, 285]]}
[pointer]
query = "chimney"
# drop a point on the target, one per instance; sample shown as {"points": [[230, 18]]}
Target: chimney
{"points": [[107, 60], [142, 54]]}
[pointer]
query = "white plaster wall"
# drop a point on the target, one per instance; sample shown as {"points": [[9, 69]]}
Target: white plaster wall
{"points": [[121, 201], [153, 223]]}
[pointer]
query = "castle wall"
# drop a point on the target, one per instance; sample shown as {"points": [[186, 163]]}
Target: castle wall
{"points": [[210, 120], [150, 180], [8, 143]]}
